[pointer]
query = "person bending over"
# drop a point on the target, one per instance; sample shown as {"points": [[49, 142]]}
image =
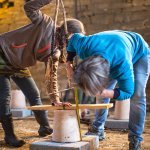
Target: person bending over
{"points": [[111, 57]]}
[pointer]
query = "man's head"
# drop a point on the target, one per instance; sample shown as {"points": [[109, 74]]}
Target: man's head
{"points": [[73, 26], [92, 75]]}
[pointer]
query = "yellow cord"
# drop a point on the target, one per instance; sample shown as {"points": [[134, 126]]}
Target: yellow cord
{"points": [[77, 110]]}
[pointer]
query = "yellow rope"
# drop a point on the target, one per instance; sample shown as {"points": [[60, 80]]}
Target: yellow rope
{"points": [[77, 110]]}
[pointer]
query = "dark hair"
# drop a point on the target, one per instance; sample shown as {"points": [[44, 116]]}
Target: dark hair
{"points": [[73, 26]]}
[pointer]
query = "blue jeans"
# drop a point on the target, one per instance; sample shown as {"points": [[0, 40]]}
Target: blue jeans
{"points": [[26, 84], [137, 102]]}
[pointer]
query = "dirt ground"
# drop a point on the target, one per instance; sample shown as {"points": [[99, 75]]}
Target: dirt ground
{"points": [[116, 140]]}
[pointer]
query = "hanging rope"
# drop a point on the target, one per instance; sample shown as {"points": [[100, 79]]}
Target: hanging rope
{"points": [[49, 64], [66, 30], [69, 82], [49, 67], [54, 29], [64, 17]]}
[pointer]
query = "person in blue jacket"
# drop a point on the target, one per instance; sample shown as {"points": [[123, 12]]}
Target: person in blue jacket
{"points": [[110, 58]]}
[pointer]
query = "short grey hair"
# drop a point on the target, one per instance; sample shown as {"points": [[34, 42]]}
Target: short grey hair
{"points": [[92, 75]]}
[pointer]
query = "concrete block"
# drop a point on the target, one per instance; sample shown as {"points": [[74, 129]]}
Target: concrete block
{"points": [[47, 144], [116, 124], [93, 141], [20, 113], [88, 143]]}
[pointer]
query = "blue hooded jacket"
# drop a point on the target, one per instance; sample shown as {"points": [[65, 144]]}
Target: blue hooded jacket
{"points": [[122, 49]]}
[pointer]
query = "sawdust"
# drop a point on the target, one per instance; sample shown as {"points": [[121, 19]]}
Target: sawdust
{"points": [[116, 140]]}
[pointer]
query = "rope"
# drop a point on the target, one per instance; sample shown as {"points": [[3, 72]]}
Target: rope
{"points": [[77, 110], [50, 61], [64, 17], [49, 65], [54, 29], [69, 82], [66, 30]]}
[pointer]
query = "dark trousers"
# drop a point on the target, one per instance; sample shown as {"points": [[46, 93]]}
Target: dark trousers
{"points": [[26, 84]]}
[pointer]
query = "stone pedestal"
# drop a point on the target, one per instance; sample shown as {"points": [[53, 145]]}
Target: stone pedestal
{"points": [[120, 117], [65, 126], [122, 109], [18, 104], [17, 100]]}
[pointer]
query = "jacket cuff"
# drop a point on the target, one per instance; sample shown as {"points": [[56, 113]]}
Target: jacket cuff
{"points": [[116, 93], [70, 56]]}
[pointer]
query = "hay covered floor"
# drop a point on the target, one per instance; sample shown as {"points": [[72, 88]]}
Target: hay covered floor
{"points": [[116, 140]]}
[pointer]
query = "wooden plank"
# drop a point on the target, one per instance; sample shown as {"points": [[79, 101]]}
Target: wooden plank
{"points": [[81, 106]]}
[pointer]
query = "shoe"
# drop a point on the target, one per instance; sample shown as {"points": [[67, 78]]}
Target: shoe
{"points": [[134, 145], [85, 117], [42, 118], [44, 131], [94, 132], [10, 137], [14, 141], [85, 121]]}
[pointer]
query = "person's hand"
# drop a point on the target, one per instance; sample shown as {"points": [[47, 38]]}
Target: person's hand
{"points": [[64, 104], [106, 94], [69, 68]]}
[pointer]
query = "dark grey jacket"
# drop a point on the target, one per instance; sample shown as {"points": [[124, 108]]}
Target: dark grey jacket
{"points": [[24, 46]]}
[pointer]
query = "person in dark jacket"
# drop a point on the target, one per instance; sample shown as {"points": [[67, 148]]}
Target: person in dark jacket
{"points": [[111, 57], [20, 49]]}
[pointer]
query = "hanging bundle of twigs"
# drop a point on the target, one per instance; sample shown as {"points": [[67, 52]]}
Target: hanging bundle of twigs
{"points": [[49, 68]]}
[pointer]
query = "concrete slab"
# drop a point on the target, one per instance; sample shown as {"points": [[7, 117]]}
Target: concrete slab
{"points": [[20, 113], [116, 124], [88, 143], [93, 141], [47, 144]]}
